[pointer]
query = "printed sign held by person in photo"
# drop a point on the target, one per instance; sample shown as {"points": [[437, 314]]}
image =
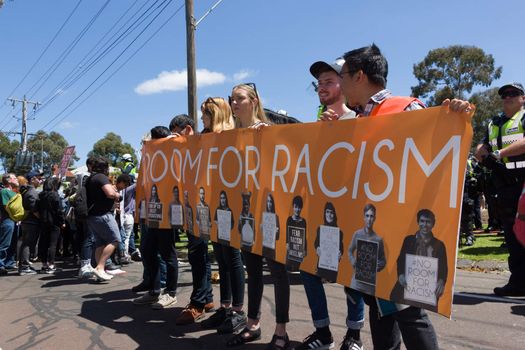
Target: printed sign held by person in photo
{"points": [[295, 236], [329, 244], [224, 219], [246, 223]]}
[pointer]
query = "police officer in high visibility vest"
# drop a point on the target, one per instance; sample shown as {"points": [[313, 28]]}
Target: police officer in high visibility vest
{"points": [[129, 167], [503, 151]]}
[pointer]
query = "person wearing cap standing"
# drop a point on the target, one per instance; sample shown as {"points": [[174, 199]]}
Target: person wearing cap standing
{"points": [[329, 90], [503, 151], [331, 97]]}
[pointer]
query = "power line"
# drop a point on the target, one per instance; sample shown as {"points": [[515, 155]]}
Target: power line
{"points": [[43, 52], [112, 74], [66, 52], [106, 51]]}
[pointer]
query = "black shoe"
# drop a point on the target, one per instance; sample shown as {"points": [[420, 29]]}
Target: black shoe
{"points": [[26, 271], [11, 268], [469, 241], [3, 271], [316, 341], [135, 256], [233, 322], [350, 343], [141, 287], [216, 319], [509, 291]]}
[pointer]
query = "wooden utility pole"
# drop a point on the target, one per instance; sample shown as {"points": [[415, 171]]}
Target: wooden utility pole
{"points": [[190, 53], [24, 118]]}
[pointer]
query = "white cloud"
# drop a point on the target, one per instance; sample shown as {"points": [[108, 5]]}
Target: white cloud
{"points": [[242, 75], [177, 81], [67, 125]]}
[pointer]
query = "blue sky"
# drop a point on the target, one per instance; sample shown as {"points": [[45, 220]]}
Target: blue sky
{"points": [[271, 43]]}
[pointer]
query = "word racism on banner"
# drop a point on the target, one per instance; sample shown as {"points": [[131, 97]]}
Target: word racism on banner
{"points": [[297, 194]]}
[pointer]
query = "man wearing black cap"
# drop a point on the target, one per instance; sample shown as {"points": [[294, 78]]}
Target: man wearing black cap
{"points": [[503, 151], [329, 90]]}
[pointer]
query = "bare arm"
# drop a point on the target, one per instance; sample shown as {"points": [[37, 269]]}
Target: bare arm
{"points": [[110, 191]]}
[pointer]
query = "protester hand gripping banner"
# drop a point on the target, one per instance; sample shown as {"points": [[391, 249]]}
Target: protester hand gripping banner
{"points": [[400, 163]]}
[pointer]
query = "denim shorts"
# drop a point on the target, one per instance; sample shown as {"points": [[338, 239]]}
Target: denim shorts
{"points": [[104, 229]]}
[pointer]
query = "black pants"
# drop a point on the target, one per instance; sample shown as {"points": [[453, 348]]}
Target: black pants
{"points": [[412, 323], [232, 274], [254, 267], [47, 246], [30, 233], [508, 198], [161, 241]]}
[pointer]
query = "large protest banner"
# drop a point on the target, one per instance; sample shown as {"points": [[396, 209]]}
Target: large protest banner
{"points": [[297, 193]]}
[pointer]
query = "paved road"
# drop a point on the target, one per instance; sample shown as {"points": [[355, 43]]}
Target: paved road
{"points": [[61, 312]]}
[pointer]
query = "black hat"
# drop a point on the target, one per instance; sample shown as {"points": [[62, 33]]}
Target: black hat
{"points": [[320, 66], [512, 85], [33, 173]]}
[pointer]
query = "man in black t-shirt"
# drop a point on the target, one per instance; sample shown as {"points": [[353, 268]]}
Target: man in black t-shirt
{"points": [[101, 196]]}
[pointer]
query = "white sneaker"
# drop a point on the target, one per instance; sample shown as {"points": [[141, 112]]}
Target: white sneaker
{"points": [[102, 275], [85, 271], [165, 301], [115, 272]]}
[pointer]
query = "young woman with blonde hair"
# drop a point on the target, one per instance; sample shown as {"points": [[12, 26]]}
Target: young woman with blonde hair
{"points": [[249, 113]]}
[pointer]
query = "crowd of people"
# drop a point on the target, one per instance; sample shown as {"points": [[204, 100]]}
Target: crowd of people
{"points": [[103, 209]]}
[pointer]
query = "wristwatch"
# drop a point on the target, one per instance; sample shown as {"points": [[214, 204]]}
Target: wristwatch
{"points": [[496, 154]]}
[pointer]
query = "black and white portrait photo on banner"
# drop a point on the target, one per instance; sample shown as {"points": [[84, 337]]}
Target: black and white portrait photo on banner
{"points": [[203, 216], [224, 219], [329, 244], [295, 236], [246, 223]]}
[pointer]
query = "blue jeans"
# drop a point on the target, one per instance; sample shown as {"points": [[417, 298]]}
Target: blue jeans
{"points": [[162, 265], [313, 286], [200, 271], [7, 227]]}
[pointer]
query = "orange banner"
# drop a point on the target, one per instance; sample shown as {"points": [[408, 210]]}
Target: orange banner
{"points": [[372, 203]]}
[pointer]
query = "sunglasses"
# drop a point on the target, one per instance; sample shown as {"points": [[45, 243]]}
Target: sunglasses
{"points": [[251, 85], [211, 100], [510, 93]]}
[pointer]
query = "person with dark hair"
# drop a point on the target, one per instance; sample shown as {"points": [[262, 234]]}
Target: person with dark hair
{"points": [[182, 124], [30, 225], [52, 219], [296, 245], [159, 132], [330, 220], [201, 299], [7, 225], [422, 243], [126, 212], [157, 241], [364, 85], [270, 238], [101, 196]]}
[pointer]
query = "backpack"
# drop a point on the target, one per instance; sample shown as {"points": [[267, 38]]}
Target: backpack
{"points": [[15, 209], [80, 202]]}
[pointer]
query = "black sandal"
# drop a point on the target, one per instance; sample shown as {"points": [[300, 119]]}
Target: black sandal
{"points": [[240, 339], [273, 346]]}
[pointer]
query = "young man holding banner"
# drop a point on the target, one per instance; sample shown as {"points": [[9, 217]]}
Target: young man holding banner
{"points": [[364, 75]]}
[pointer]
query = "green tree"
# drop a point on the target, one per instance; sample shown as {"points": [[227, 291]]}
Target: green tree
{"points": [[112, 148], [8, 150], [452, 72], [488, 104], [49, 146]]}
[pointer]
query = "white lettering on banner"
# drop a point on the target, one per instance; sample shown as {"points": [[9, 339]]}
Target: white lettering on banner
{"points": [[146, 162], [239, 159], [453, 145], [210, 166], [192, 164], [324, 189], [305, 153], [252, 172], [164, 169], [358, 170], [386, 169], [176, 151], [280, 173]]}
